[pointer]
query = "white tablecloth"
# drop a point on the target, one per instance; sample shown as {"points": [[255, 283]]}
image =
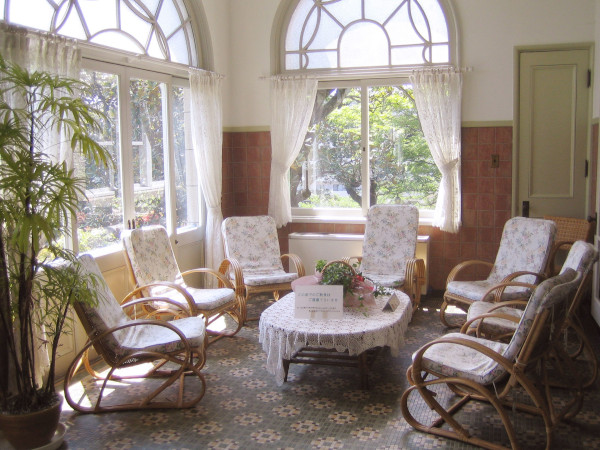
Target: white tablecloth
{"points": [[361, 329]]}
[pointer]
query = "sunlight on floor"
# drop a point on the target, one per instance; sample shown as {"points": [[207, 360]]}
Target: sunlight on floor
{"points": [[78, 390], [218, 325]]}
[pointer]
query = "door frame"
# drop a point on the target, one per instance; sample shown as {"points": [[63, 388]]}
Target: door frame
{"points": [[518, 50]]}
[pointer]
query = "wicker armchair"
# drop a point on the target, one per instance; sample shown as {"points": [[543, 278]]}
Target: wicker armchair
{"points": [[502, 374], [124, 344], [254, 260], [389, 247], [154, 271], [568, 230], [499, 321], [525, 247]]}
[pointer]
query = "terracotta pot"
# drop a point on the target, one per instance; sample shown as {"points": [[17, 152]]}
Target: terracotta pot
{"points": [[32, 430]]}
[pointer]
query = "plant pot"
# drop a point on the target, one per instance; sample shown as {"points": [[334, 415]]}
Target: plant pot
{"points": [[31, 430]]}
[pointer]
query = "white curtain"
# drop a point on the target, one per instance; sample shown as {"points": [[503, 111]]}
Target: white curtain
{"points": [[292, 102], [207, 140], [59, 56], [438, 94]]}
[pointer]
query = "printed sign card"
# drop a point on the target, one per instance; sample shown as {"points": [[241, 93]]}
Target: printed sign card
{"points": [[392, 303], [318, 301]]}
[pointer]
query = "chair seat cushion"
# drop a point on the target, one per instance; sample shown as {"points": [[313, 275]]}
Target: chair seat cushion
{"points": [[389, 281], [205, 299], [493, 325], [475, 290], [458, 360], [259, 278], [161, 339]]}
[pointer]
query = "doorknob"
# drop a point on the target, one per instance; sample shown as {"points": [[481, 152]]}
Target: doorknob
{"points": [[525, 209]]}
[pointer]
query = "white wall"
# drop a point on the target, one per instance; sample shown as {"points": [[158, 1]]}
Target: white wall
{"points": [[489, 32]]}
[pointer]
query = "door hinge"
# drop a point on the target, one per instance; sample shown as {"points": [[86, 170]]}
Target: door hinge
{"points": [[587, 168], [589, 80]]}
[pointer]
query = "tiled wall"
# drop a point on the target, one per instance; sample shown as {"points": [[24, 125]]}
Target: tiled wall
{"points": [[486, 195]]}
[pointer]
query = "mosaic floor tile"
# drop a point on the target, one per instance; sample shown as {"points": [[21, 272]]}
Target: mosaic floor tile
{"points": [[320, 407]]}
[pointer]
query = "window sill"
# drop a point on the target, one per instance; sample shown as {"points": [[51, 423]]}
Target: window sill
{"points": [[423, 221]]}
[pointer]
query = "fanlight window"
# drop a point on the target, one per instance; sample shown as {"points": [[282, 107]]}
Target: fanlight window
{"points": [[157, 28], [342, 34]]}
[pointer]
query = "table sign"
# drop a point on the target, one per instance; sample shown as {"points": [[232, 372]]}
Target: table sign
{"points": [[319, 302], [392, 303]]}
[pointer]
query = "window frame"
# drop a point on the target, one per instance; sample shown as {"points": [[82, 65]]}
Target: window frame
{"points": [[355, 215], [125, 73], [340, 77]]}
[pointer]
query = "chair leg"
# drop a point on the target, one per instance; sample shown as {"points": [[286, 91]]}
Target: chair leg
{"points": [[468, 391]]}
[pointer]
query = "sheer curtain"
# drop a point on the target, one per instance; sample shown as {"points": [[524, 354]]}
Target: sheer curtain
{"points": [[438, 94], [60, 56], [207, 140], [42, 51], [292, 102]]}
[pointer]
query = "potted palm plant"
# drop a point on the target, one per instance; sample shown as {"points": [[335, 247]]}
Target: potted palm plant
{"points": [[38, 194]]}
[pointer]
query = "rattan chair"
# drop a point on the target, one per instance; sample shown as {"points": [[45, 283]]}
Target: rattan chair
{"points": [[525, 247], [568, 230], [173, 351], [254, 259], [502, 374], [499, 320], [389, 246], [155, 272]]}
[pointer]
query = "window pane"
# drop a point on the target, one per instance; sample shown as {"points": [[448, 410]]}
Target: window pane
{"points": [[186, 181], [148, 149], [327, 172], [100, 216], [402, 168]]}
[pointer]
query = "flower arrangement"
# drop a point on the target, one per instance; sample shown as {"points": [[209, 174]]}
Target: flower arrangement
{"points": [[358, 290]]}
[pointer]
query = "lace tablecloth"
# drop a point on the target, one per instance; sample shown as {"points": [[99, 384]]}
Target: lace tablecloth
{"points": [[282, 335]]}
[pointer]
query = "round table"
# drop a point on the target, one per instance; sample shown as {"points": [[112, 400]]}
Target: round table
{"points": [[286, 339]]}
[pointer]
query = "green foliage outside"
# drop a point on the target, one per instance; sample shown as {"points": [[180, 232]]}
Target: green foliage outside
{"points": [[100, 218], [401, 166]]}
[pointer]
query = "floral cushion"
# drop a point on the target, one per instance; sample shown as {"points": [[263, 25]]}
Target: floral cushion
{"points": [[205, 299], [458, 360], [390, 240], [254, 243], [151, 255], [525, 246], [152, 260], [108, 314], [581, 258]]}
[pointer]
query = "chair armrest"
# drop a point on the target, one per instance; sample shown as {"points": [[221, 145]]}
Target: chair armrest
{"points": [[555, 248], [190, 311], [134, 323], [298, 265], [223, 281], [231, 267], [539, 276], [417, 369], [496, 315], [499, 288], [414, 280], [464, 265]]}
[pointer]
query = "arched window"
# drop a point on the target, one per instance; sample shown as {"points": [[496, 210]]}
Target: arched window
{"points": [[157, 28], [135, 56], [365, 144], [343, 34]]}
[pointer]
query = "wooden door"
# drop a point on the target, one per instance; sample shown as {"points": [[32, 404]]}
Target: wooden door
{"points": [[553, 133]]}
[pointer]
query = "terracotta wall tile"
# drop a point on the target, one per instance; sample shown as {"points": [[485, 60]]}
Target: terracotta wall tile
{"points": [[486, 201]]}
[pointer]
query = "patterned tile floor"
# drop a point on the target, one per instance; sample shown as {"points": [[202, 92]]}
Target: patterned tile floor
{"points": [[319, 407]]}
